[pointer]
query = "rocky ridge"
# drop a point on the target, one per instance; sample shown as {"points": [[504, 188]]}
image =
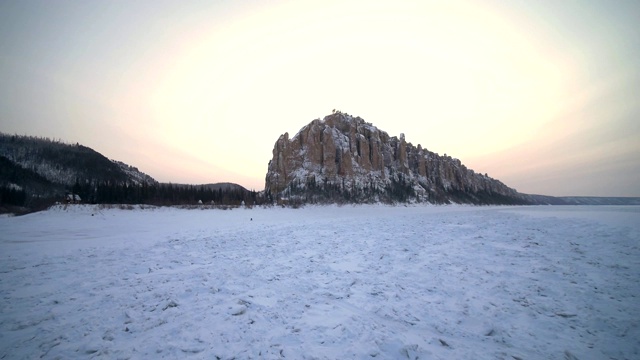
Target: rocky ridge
{"points": [[342, 158]]}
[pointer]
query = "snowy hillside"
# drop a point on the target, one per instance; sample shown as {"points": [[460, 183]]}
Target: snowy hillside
{"points": [[380, 282], [134, 175], [65, 164], [36, 172]]}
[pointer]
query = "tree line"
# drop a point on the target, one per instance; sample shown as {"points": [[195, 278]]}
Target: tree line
{"points": [[106, 192]]}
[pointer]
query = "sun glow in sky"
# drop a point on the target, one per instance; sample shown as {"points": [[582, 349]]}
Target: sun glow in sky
{"points": [[541, 95]]}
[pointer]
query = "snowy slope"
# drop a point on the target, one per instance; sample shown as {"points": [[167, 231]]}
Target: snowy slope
{"points": [[322, 282], [64, 164], [134, 175]]}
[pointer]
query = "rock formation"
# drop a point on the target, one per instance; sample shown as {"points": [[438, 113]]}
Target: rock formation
{"points": [[343, 158]]}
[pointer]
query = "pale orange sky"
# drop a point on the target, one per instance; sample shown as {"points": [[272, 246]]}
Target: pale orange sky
{"points": [[541, 95]]}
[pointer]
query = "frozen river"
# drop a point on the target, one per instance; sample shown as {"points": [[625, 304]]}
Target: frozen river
{"points": [[363, 282]]}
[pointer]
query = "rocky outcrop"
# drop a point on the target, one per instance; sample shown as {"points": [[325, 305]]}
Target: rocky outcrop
{"points": [[344, 158]]}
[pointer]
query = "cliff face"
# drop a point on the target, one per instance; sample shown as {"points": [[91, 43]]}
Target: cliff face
{"points": [[344, 158]]}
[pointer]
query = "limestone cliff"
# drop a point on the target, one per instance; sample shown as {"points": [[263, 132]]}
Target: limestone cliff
{"points": [[343, 158]]}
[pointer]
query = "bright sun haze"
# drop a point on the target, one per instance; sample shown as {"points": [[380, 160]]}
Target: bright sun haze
{"points": [[540, 95]]}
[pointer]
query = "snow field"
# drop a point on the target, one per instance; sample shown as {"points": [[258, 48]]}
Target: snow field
{"points": [[365, 282]]}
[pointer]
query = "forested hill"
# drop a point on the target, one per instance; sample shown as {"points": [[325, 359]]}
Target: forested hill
{"points": [[66, 164], [36, 172]]}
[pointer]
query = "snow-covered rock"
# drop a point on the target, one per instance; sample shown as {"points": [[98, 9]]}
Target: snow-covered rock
{"points": [[344, 157]]}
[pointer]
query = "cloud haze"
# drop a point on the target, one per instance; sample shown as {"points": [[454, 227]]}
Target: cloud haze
{"points": [[541, 95]]}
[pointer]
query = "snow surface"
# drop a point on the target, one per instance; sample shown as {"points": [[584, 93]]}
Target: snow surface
{"points": [[435, 282]]}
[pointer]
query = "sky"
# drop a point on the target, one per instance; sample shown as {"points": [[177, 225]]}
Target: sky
{"points": [[542, 95]]}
